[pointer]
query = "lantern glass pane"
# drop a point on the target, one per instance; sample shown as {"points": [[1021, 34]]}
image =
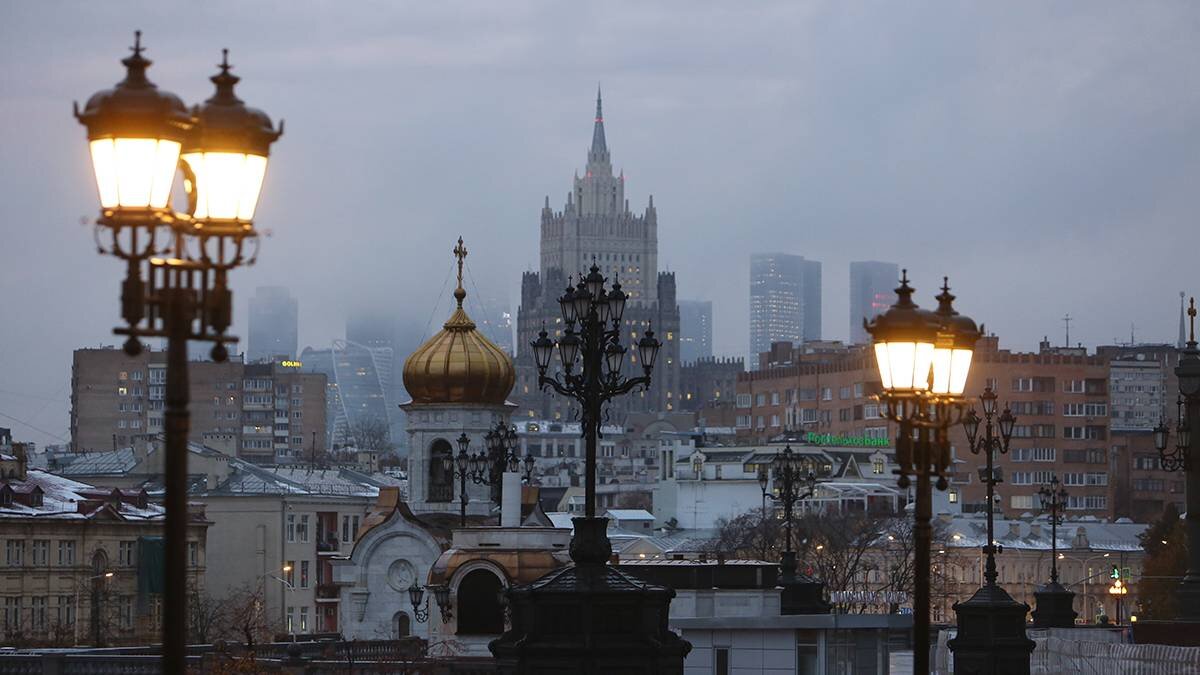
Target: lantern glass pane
{"points": [[960, 367], [885, 368], [942, 364], [227, 184], [910, 363], [134, 172]]}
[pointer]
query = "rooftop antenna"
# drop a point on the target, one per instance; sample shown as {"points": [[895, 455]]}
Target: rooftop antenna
{"points": [[1067, 321]]}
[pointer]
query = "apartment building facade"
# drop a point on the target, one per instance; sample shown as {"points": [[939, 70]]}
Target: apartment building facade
{"points": [[77, 560], [263, 412], [1064, 403]]}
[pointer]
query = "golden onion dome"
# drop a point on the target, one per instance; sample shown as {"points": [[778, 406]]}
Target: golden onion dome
{"points": [[459, 364]]}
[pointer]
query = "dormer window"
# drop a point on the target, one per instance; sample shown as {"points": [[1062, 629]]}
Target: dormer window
{"points": [[36, 497], [6, 496]]}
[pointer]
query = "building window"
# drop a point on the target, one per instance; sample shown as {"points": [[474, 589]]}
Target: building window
{"points": [[291, 527], [291, 619], [302, 529], [66, 553], [125, 554], [303, 574], [290, 572], [65, 612], [37, 618], [721, 661], [14, 553], [304, 619], [41, 552], [125, 611], [194, 553], [12, 615]]}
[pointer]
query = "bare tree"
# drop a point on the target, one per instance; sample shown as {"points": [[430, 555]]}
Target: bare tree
{"points": [[635, 500], [206, 616], [371, 433], [756, 534], [245, 616]]}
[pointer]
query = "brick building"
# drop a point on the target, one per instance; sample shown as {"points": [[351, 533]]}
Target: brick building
{"points": [[709, 381], [264, 412], [1064, 400]]}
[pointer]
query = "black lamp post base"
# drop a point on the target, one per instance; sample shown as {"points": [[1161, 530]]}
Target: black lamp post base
{"points": [[801, 593], [1053, 606], [991, 636], [590, 618]]}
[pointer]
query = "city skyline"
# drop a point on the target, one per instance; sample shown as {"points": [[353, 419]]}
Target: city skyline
{"points": [[955, 155]]}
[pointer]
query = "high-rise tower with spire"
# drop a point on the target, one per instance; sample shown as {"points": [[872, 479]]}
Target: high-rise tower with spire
{"points": [[597, 226]]}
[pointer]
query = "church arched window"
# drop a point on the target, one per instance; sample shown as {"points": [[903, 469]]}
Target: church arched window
{"points": [[400, 626], [479, 610], [441, 481]]}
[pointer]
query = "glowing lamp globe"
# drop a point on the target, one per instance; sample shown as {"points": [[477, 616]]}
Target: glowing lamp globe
{"points": [[226, 155], [904, 338], [135, 133], [953, 348]]}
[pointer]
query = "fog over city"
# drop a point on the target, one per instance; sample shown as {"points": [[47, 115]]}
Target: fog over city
{"points": [[1044, 156]]}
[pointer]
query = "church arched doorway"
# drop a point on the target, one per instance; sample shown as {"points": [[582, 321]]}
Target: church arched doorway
{"points": [[479, 610]]}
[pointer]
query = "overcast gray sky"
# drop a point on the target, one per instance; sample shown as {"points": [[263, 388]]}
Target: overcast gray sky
{"points": [[1044, 155]]}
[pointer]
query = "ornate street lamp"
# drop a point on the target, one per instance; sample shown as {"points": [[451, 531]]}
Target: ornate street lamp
{"points": [[591, 357], [420, 602], [793, 481], [465, 466], [137, 136], [1054, 601], [556, 620], [1182, 457], [996, 437], [923, 359], [991, 623]]}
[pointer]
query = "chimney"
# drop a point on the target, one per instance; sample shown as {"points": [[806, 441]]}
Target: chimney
{"points": [[510, 500]]}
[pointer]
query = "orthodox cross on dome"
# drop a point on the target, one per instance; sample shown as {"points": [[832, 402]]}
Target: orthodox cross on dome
{"points": [[460, 252]]}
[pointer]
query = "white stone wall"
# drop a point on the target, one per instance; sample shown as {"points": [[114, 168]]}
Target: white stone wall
{"points": [[430, 422]]}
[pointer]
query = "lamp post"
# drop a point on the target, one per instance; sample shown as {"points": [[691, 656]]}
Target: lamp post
{"points": [[139, 138], [991, 625], [1054, 601], [1183, 457], [441, 594], [465, 466], [590, 617], [923, 359], [989, 444], [794, 481], [592, 357]]}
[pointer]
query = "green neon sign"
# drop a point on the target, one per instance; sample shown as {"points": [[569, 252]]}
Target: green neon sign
{"points": [[839, 440]]}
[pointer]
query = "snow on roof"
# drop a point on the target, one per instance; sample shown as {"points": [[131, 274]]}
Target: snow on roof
{"points": [[61, 497], [630, 514]]}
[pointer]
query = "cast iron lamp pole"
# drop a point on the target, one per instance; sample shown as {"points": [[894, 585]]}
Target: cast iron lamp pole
{"points": [[1053, 499], [139, 138], [592, 357], [1183, 457], [792, 484], [441, 594], [1055, 602], [923, 359], [464, 466], [989, 444]]}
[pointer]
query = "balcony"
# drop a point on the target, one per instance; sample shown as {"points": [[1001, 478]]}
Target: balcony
{"points": [[327, 544], [328, 593]]}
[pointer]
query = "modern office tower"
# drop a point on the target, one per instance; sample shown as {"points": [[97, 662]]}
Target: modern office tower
{"points": [[274, 318], [785, 300], [358, 401], [695, 330], [596, 226], [872, 291]]}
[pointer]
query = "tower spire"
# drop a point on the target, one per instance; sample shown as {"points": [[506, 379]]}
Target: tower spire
{"points": [[599, 151], [460, 252]]}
